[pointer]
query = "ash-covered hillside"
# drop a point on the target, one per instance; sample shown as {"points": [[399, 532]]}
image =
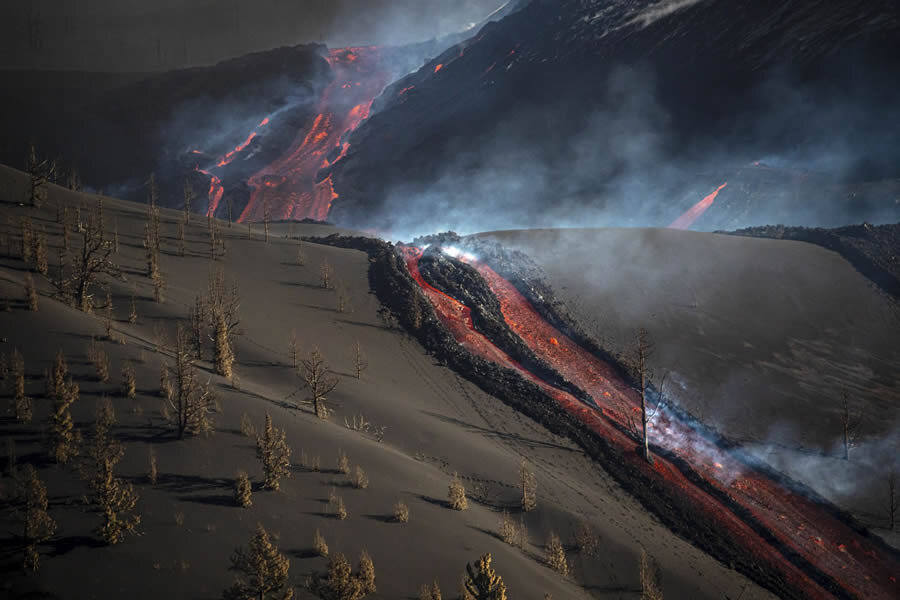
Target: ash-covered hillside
{"points": [[873, 249], [573, 112]]}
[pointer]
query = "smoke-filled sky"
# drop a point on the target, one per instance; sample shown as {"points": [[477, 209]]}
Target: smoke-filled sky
{"points": [[139, 35]]}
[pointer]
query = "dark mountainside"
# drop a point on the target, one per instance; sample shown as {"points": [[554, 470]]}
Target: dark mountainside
{"points": [[873, 249], [629, 112]]}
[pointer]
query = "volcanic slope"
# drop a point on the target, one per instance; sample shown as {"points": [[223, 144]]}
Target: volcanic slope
{"points": [[761, 340], [436, 423]]}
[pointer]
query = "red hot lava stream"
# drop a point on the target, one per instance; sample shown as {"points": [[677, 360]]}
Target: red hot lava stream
{"points": [[693, 213], [798, 525], [289, 185]]}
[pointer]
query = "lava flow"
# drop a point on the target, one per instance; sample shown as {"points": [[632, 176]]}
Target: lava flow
{"points": [[693, 213], [290, 186], [804, 542]]}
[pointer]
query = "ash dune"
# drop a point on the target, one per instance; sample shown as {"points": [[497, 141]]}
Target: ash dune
{"points": [[436, 423]]}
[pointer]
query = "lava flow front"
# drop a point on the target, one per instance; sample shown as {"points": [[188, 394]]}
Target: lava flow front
{"points": [[290, 186], [693, 213], [804, 542]]}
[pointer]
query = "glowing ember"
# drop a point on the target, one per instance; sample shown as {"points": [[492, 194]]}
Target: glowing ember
{"points": [[687, 219], [438, 68]]}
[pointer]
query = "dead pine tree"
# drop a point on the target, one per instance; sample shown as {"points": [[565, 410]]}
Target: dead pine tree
{"points": [[181, 244], [360, 362], [31, 297], [196, 319], [638, 364], [190, 400], [37, 170], [87, 265], [319, 380], [188, 194], [222, 306], [37, 525], [262, 571], [529, 487], [274, 453], [326, 275], [22, 404], [850, 424]]}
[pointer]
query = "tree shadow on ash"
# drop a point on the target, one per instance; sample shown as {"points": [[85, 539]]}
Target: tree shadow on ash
{"points": [[435, 501], [211, 500], [302, 554], [65, 545], [490, 433], [381, 518]]}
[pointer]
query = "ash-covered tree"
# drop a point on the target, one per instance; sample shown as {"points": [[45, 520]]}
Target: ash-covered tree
{"points": [[649, 575], [556, 554], [319, 381], [115, 497], [274, 453], [76, 287], [190, 400], [22, 404], [262, 571], [243, 491], [37, 525], [31, 297], [197, 320], [360, 361], [528, 485], [482, 582], [222, 306], [456, 494], [38, 171], [63, 393], [339, 582], [188, 195]]}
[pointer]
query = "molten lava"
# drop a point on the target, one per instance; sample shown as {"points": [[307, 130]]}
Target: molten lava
{"points": [[290, 185], [803, 541], [687, 219]]}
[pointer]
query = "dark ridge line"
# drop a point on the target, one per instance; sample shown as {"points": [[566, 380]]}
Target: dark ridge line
{"points": [[839, 241], [396, 289]]}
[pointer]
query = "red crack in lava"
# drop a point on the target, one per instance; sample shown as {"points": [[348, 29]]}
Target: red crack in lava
{"points": [[798, 524]]}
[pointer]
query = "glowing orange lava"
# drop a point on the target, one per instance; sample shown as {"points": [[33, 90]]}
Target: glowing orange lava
{"points": [[438, 68], [795, 525], [290, 185], [693, 213]]}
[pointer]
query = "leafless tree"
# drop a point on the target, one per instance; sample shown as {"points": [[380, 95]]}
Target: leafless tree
{"points": [[38, 170], [197, 319], [638, 364], [190, 400], [33, 27], [88, 264], [188, 192], [319, 380], [360, 362], [222, 307]]}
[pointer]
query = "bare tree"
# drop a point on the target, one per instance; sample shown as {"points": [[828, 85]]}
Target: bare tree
{"points": [[222, 307], [294, 350], [38, 170], [197, 318], [191, 400], [92, 261], [37, 525], [360, 362], [188, 191], [850, 424], [319, 380], [638, 364], [529, 487], [326, 275], [33, 27]]}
